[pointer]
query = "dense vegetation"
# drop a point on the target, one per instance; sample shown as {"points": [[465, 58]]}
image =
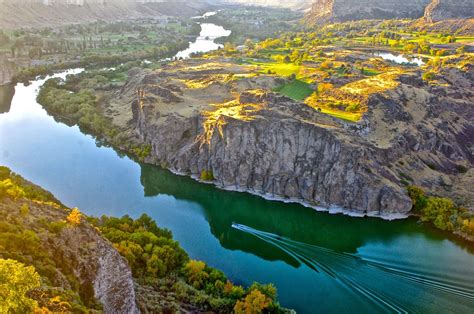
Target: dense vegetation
{"points": [[78, 100], [441, 212], [28, 262], [169, 279], [36, 276], [94, 44]]}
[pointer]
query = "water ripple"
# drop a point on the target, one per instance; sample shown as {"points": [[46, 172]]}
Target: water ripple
{"points": [[379, 283]]}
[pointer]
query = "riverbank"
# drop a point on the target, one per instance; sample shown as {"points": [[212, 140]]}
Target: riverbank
{"points": [[103, 280]]}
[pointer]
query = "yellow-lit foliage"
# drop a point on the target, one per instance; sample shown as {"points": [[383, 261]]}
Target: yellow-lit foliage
{"points": [[74, 217], [16, 279], [9, 189], [195, 271], [24, 210], [232, 109], [373, 84], [255, 302]]}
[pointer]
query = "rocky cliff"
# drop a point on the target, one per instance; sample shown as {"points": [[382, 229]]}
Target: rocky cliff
{"points": [[344, 10], [268, 144], [80, 269], [439, 10]]}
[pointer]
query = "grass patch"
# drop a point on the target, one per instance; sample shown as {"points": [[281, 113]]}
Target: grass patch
{"points": [[296, 89], [348, 116]]}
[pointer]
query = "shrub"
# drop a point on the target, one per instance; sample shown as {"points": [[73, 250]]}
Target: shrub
{"points": [[429, 76], [418, 197], [195, 273], [439, 211], [16, 279], [207, 175], [74, 217], [254, 302]]}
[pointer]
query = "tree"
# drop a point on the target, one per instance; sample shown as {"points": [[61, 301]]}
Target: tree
{"points": [[195, 272], [74, 217], [418, 197], [254, 302], [439, 210], [16, 279]]}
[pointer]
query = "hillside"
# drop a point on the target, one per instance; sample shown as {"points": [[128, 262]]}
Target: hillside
{"points": [[17, 14], [439, 10], [323, 11], [37, 230]]}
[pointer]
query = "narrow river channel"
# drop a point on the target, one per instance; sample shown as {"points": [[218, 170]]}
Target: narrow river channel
{"points": [[320, 263]]}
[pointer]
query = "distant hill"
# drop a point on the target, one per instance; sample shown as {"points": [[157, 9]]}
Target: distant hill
{"points": [[291, 4], [38, 13]]}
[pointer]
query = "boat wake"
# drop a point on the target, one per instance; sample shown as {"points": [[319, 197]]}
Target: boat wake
{"points": [[379, 283]]}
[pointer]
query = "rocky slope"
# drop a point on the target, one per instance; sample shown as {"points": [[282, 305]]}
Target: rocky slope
{"points": [[439, 10], [344, 10], [69, 257], [294, 4], [268, 144], [323, 11]]}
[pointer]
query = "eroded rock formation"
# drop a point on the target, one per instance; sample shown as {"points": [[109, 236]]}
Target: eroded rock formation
{"points": [[268, 144], [439, 10], [345, 10]]}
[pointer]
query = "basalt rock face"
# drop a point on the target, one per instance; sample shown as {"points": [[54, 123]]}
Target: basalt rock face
{"points": [[278, 153], [439, 10], [344, 10], [268, 144], [79, 252]]}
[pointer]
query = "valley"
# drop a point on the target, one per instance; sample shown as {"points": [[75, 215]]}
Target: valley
{"points": [[324, 154]]}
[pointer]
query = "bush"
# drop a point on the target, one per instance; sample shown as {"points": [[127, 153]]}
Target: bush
{"points": [[429, 76], [207, 175], [418, 197], [16, 280]]}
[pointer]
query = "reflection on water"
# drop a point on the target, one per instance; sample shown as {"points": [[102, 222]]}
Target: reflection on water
{"points": [[395, 266], [377, 282], [400, 59], [205, 41], [6, 95]]}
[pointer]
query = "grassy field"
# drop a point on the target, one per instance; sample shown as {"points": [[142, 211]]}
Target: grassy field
{"points": [[296, 89]]}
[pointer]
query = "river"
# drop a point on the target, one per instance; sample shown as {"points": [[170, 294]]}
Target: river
{"points": [[320, 263]]}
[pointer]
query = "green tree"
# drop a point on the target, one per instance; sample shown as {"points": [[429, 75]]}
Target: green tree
{"points": [[195, 273], [254, 302], [439, 211], [16, 279]]}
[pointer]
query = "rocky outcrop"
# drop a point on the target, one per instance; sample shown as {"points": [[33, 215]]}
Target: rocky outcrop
{"points": [[270, 145], [345, 10], [276, 154], [439, 10], [323, 11], [113, 284], [74, 258]]}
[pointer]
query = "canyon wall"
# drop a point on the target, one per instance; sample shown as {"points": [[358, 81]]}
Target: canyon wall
{"points": [[439, 10], [323, 11]]}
